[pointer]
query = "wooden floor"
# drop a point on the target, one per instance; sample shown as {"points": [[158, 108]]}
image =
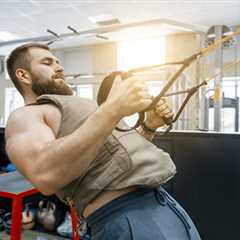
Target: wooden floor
{"points": [[33, 235]]}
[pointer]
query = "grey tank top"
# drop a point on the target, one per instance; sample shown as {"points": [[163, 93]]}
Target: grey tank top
{"points": [[125, 159]]}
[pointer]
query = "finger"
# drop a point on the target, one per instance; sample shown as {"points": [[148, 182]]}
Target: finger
{"points": [[144, 103], [169, 115], [165, 113], [162, 108], [161, 102]]}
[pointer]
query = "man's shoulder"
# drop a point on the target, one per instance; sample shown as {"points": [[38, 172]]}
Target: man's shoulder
{"points": [[28, 118], [21, 116], [17, 113], [14, 121], [30, 111], [21, 112]]}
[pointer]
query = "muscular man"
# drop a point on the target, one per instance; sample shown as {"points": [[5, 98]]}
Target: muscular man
{"points": [[66, 145]]}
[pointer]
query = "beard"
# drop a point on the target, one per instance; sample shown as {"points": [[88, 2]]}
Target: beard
{"points": [[49, 86]]}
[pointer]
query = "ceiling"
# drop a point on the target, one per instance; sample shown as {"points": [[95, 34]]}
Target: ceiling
{"points": [[31, 18]]}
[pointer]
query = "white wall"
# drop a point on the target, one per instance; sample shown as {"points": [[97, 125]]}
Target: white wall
{"points": [[76, 61]]}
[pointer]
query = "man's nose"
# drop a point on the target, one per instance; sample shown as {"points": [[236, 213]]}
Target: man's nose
{"points": [[59, 68]]}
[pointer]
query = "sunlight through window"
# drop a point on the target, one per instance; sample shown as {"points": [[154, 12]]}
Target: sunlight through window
{"points": [[143, 52]]}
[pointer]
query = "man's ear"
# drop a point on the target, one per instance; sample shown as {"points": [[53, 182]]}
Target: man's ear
{"points": [[24, 76]]}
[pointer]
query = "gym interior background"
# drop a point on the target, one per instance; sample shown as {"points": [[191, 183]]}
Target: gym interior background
{"points": [[94, 38]]}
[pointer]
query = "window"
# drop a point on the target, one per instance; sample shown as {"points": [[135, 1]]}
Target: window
{"points": [[143, 52], [84, 91], [13, 100]]}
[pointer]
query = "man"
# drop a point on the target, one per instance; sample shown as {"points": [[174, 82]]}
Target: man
{"points": [[68, 146]]}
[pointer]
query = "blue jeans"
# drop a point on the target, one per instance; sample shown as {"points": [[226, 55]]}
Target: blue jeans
{"points": [[145, 214]]}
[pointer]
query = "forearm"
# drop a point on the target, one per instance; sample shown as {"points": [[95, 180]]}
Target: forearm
{"points": [[64, 159]]}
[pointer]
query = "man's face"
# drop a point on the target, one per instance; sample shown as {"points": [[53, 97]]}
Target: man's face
{"points": [[47, 75]]}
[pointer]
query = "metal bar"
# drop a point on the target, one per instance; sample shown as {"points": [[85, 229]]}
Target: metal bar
{"points": [[93, 32], [218, 80]]}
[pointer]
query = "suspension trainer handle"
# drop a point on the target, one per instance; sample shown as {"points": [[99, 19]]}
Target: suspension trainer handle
{"points": [[105, 89]]}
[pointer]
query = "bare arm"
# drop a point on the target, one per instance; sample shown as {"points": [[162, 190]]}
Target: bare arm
{"points": [[51, 163]]}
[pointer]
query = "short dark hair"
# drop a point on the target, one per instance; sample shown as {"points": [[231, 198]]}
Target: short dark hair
{"points": [[20, 58]]}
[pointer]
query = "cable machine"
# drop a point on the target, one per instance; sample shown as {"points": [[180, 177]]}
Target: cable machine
{"points": [[219, 102]]}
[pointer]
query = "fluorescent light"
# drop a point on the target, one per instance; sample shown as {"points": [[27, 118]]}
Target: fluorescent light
{"points": [[7, 36], [106, 19], [100, 18], [85, 76]]}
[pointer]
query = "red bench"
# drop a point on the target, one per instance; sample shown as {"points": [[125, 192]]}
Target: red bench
{"points": [[16, 187]]}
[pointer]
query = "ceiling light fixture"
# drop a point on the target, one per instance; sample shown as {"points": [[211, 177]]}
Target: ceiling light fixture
{"points": [[104, 20], [7, 36]]}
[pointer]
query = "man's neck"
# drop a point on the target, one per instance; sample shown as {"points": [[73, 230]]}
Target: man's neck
{"points": [[30, 99]]}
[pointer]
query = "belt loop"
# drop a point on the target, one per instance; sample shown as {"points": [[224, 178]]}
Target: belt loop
{"points": [[160, 197]]}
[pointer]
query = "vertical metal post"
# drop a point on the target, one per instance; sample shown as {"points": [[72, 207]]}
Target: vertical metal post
{"points": [[236, 114], [200, 96], [175, 102], [184, 121], [218, 81], [206, 112]]}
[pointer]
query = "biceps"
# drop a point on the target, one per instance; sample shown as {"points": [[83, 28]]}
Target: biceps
{"points": [[25, 148]]}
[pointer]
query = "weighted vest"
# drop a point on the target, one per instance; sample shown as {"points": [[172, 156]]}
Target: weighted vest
{"points": [[125, 159]]}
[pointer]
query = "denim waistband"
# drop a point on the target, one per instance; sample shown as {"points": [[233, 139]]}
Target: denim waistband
{"points": [[97, 218]]}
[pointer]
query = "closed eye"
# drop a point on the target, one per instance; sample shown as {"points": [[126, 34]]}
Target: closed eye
{"points": [[47, 63]]}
